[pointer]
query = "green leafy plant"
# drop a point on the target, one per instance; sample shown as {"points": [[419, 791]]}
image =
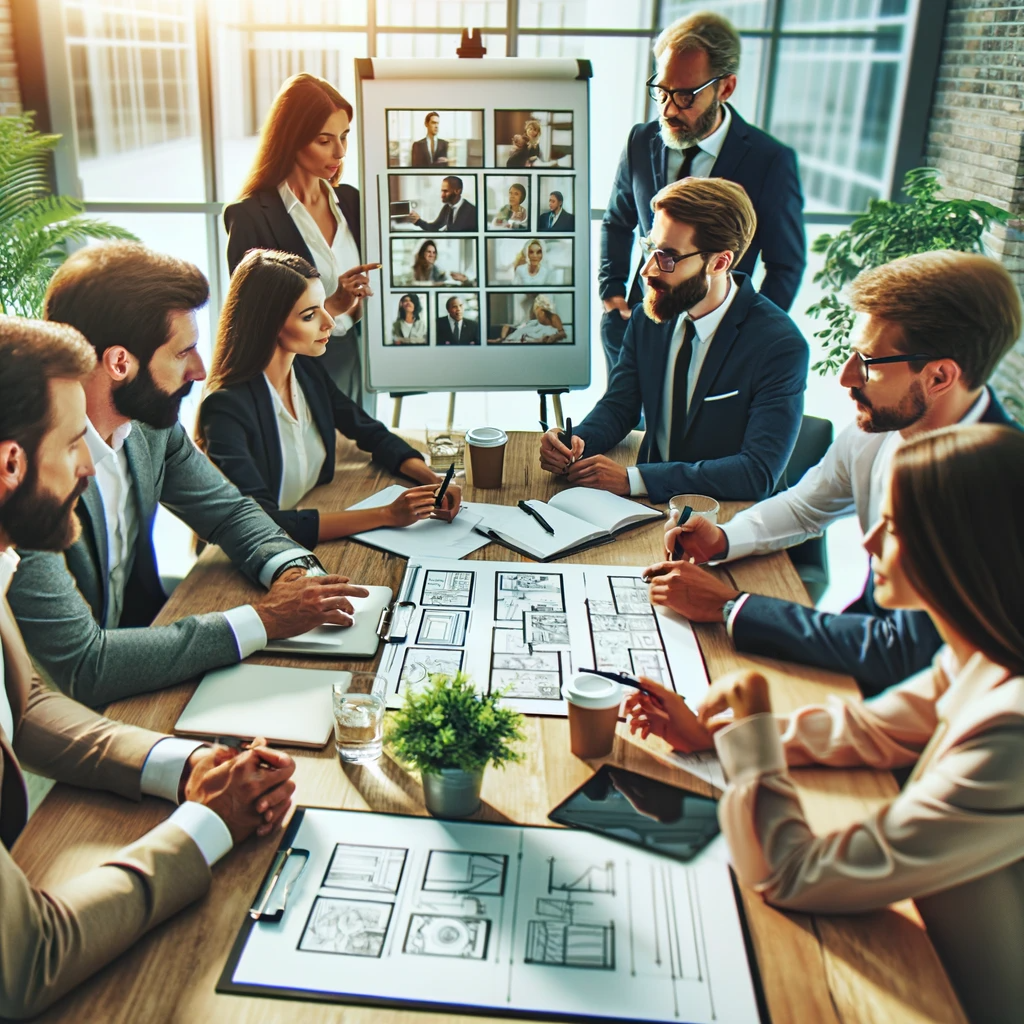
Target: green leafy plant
{"points": [[887, 231], [447, 724], [35, 225]]}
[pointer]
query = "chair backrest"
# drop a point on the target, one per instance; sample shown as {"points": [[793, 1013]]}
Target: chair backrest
{"points": [[811, 444]]}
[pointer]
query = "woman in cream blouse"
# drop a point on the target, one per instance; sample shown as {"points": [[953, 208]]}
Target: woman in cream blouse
{"points": [[950, 542]]}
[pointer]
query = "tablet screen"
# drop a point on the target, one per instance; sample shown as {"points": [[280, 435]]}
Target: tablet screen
{"points": [[623, 805]]}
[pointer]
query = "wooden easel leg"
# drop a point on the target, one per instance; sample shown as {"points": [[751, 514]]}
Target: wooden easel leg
{"points": [[556, 402], [396, 412], [451, 411]]}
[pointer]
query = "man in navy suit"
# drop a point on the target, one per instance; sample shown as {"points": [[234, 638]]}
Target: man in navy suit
{"points": [[454, 329], [718, 370], [698, 134], [557, 218], [937, 325], [457, 214], [430, 151]]}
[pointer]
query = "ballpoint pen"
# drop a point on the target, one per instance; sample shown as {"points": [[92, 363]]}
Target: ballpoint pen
{"points": [[536, 515], [677, 549], [444, 486], [567, 438]]}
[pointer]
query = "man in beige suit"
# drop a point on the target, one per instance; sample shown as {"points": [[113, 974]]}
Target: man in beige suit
{"points": [[50, 941]]}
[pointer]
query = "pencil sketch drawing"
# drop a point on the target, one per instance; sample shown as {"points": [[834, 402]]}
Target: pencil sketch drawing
{"points": [[450, 589], [376, 869], [479, 874], [519, 592], [581, 876], [435, 935], [348, 927], [527, 685], [546, 631], [443, 628], [422, 662], [631, 594]]}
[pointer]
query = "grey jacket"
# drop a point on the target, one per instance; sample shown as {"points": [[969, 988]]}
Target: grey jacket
{"points": [[62, 601]]}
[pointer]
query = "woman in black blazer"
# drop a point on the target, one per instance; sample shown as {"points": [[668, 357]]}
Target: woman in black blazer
{"points": [[270, 411], [293, 202]]}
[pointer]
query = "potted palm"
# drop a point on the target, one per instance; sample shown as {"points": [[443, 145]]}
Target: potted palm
{"points": [[450, 734]]}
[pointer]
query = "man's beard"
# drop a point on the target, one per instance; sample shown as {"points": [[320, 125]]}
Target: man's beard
{"points": [[910, 409], [142, 400], [38, 521], [662, 303], [682, 137]]}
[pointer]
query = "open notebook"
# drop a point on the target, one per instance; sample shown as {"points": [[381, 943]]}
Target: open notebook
{"points": [[580, 516]]}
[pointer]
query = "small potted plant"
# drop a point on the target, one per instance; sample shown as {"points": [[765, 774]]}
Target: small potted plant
{"points": [[451, 733]]}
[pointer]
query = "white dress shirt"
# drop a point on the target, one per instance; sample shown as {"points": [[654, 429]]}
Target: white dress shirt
{"points": [[120, 512], [302, 447], [545, 275], [704, 161], [705, 328], [331, 260], [8, 566]]}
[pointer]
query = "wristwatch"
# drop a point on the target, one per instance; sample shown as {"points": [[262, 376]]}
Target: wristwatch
{"points": [[729, 606], [308, 562]]}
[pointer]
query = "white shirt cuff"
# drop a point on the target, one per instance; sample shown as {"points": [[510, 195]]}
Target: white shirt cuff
{"points": [[246, 624], [742, 539], [740, 602], [637, 487], [750, 745], [342, 325], [165, 763], [272, 565], [206, 828]]}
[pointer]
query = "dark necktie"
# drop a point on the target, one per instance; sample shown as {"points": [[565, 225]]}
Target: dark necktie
{"points": [[680, 375], [447, 218], [458, 331], [688, 157]]}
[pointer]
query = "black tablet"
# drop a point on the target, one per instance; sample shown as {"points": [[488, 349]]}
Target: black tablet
{"points": [[643, 812]]}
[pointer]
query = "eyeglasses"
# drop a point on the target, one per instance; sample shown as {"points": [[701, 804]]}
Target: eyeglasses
{"points": [[682, 99], [864, 363], [665, 260]]}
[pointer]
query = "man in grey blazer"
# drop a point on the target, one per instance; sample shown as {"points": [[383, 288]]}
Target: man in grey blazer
{"points": [[137, 308]]}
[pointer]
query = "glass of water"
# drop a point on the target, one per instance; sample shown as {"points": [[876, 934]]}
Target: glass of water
{"points": [[446, 447], [359, 717]]}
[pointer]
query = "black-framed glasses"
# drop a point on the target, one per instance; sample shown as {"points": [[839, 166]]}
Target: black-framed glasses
{"points": [[864, 363], [666, 261], [682, 99]]}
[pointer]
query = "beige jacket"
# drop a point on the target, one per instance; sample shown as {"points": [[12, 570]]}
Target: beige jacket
{"points": [[953, 839], [51, 940]]}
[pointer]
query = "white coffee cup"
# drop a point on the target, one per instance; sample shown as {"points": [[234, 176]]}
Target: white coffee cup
{"points": [[593, 713], [700, 504]]}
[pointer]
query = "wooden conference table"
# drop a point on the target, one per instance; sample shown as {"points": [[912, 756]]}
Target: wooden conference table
{"points": [[878, 967]]}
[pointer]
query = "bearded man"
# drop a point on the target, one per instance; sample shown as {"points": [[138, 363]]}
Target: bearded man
{"points": [[697, 133], [718, 370]]}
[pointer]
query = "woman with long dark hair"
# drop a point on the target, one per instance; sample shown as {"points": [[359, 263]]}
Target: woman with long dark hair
{"points": [[410, 326], [270, 411], [293, 202], [950, 542]]}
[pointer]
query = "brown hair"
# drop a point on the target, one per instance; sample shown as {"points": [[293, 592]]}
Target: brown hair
{"points": [[711, 33], [121, 293], [957, 305], [719, 211], [420, 267], [295, 119], [946, 485], [32, 353]]}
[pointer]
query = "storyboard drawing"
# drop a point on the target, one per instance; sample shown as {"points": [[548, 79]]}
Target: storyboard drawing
{"points": [[371, 869], [346, 927], [448, 589]]}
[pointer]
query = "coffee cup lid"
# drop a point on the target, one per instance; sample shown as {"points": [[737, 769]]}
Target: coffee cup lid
{"points": [[486, 437], [596, 692]]}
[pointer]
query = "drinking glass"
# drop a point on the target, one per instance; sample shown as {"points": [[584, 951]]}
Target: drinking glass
{"points": [[359, 717], [446, 447]]}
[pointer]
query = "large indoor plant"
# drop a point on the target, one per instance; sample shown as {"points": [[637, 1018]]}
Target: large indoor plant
{"points": [[36, 226], [886, 231], [451, 733]]}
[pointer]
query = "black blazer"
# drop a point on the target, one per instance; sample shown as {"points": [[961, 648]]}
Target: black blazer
{"points": [[242, 439], [566, 222], [421, 153], [262, 222], [469, 335], [465, 220]]}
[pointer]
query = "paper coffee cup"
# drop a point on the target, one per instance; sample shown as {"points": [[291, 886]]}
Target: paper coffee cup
{"points": [[593, 712], [485, 456], [701, 504]]}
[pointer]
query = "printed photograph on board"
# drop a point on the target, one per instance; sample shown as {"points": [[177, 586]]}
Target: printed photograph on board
{"points": [[408, 314], [435, 138], [508, 202], [432, 202], [529, 318], [458, 319], [533, 138], [531, 262], [556, 206], [429, 262]]}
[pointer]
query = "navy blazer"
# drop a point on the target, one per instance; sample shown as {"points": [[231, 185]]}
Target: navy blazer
{"points": [[465, 219], [745, 415], [566, 221], [750, 157], [420, 156], [242, 439], [879, 647], [261, 222]]}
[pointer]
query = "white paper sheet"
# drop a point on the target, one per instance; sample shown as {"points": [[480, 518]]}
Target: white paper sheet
{"points": [[499, 917]]}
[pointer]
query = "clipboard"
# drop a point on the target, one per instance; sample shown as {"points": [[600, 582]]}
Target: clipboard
{"points": [[395, 619]]}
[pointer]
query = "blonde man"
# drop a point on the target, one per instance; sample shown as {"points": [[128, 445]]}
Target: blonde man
{"points": [[697, 133], [937, 325], [717, 370]]}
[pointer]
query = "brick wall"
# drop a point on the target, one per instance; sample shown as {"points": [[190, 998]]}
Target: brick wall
{"points": [[10, 95], [976, 135]]}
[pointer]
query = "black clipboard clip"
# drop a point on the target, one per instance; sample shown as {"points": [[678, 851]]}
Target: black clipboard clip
{"points": [[285, 871], [393, 626]]}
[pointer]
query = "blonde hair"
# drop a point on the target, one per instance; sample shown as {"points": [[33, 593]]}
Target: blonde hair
{"points": [[544, 303], [711, 33], [957, 305], [719, 211]]}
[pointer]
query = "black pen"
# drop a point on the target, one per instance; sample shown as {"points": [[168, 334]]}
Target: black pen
{"points": [[444, 487], [530, 511], [677, 550], [567, 435], [623, 680]]}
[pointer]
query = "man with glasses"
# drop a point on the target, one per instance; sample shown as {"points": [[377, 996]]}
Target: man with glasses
{"points": [[718, 370], [698, 134], [937, 325]]}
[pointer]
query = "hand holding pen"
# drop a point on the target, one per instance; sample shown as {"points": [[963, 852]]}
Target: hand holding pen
{"points": [[448, 499], [657, 709], [694, 539], [555, 455]]}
